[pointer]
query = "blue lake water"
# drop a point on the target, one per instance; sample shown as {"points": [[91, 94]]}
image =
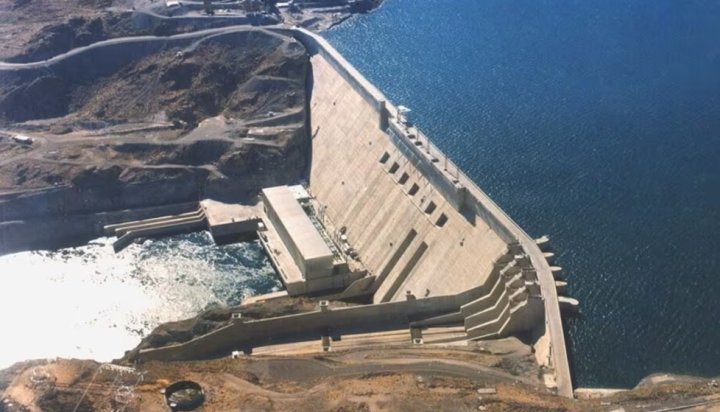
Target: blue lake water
{"points": [[597, 122], [89, 302]]}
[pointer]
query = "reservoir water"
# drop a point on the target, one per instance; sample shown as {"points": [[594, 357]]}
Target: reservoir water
{"points": [[89, 302], [597, 122]]}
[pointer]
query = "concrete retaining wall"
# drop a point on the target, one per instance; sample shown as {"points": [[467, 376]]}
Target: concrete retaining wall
{"points": [[487, 300], [170, 225], [313, 324]]}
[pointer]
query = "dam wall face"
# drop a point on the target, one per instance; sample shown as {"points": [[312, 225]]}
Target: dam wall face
{"points": [[405, 229], [401, 204], [419, 224]]}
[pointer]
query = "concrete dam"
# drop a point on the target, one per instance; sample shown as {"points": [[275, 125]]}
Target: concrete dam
{"points": [[383, 214], [435, 250], [420, 224]]}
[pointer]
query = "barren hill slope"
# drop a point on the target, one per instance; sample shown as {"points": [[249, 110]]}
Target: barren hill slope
{"points": [[139, 123]]}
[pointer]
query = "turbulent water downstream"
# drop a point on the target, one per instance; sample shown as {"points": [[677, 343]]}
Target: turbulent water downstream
{"points": [[89, 302], [595, 122]]}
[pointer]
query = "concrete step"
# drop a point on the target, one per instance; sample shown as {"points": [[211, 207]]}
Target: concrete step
{"points": [[437, 335], [492, 327], [110, 230], [448, 319], [494, 334], [175, 226], [169, 222], [516, 281], [519, 294], [492, 312], [486, 301], [444, 335], [376, 339]]}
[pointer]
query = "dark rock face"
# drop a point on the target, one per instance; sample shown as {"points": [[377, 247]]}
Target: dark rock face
{"points": [[96, 176], [77, 31], [189, 87], [65, 400], [17, 4], [364, 6], [43, 97]]}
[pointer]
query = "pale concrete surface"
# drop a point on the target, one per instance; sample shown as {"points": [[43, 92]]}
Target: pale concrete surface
{"points": [[401, 214], [351, 342], [282, 260], [591, 393], [265, 297], [286, 213], [219, 213], [361, 194]]}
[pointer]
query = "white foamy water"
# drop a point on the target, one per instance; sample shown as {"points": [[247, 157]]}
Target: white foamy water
{"points": [[89, 302]]}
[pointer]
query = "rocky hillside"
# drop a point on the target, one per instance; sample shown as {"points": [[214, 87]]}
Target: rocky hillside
{"points": [[181, 107], [375, 378], [187, 86], [23, 23], [76, 31], [219, 116]]}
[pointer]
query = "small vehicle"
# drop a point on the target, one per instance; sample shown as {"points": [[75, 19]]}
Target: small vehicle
{"points": [[22, 139]]}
